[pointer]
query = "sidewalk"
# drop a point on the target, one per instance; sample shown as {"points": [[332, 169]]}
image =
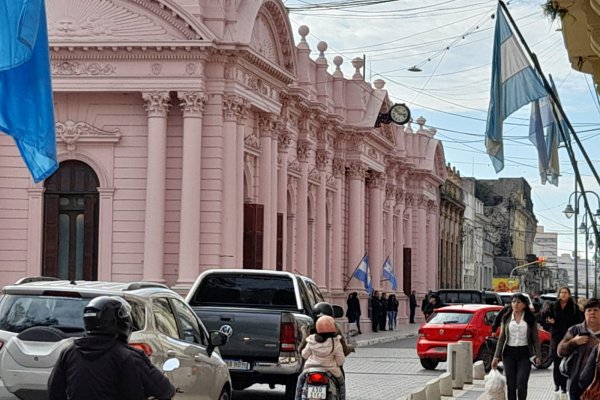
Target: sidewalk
{"points": [[402, 331]]}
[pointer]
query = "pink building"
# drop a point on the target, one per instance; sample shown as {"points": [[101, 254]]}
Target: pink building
{"points": [[196, 134]]}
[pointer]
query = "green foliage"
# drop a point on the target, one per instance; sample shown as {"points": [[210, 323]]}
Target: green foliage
{"points": [[553, 10]]}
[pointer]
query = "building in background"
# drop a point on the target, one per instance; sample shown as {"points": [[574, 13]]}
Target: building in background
{"points": [[452, 210], [477, 275], [545, 244]]}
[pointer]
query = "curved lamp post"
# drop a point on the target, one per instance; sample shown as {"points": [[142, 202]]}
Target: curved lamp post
{"points": [[569, 212]]}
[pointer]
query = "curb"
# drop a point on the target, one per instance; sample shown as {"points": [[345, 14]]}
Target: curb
{"points": [[383, 339]]}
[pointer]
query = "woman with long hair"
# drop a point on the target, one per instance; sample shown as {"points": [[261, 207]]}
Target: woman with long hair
{"points": [[561, 315], [518, 342]]}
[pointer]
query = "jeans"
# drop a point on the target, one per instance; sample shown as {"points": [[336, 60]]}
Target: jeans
{"points": [[355, 317], [517, 368], [392, 319]]}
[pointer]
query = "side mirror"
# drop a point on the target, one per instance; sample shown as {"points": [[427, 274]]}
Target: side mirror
{"points": [[215, 339], [338, 312], [171, 365]]}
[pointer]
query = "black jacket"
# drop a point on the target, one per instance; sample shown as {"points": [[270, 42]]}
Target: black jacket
{"points": [[104, 368], [564, 318]]}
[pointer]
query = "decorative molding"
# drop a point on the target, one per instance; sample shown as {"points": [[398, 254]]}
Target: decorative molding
{"points": [[232, 107], [192, 103], [294, 166], [263, 40], [332, 183], [390, 192], [284, 138], [322, 158], [376, 180], [338, 168], [252, 141], [66, 68], [314, 176], [266, 124], [157, 103], [357, 170], [303, 148], [71, 133], [409, 199]]}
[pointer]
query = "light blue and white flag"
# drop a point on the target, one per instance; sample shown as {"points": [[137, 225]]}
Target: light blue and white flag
{"points": [[26, 104], [537, 121], [362, 273], [514, 84], [388, 273]]}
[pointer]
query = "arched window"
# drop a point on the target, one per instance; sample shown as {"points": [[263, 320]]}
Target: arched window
{"points": [[71, 222]]}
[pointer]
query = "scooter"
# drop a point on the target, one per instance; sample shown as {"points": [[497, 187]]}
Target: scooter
{"points": [[319, 384]]}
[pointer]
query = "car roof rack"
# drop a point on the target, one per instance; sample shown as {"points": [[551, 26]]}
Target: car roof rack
{"points": [[144, 285], [30, 279]]}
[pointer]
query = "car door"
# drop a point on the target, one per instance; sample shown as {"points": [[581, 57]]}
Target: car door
{"points": [[188, 378]]}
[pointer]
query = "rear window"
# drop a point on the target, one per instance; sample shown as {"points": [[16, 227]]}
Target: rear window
{"points": [[446, 317], [245, 291], [460, 297]]}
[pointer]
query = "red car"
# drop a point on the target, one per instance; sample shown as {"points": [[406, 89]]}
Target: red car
{"points": [[472, 322]]}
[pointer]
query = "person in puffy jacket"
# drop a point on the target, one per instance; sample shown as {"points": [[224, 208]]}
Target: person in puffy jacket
{"points": [[324, 350], [101, 366]]}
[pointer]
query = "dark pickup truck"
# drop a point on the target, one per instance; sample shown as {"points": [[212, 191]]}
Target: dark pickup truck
{"points": [[263, 313]]}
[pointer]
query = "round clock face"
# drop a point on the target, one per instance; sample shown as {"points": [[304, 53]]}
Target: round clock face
{"points": [[400, 114]]}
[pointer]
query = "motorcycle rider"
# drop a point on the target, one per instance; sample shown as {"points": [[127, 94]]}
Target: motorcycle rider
{"points": [[320, 309], [101, 366], [324, 350]]}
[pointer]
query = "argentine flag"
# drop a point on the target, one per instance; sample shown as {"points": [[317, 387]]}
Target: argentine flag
{"points": [[388, 273], [362, 273], [514, 84]]}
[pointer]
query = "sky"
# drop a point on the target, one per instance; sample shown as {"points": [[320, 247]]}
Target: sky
{"points": [[451, 42]]}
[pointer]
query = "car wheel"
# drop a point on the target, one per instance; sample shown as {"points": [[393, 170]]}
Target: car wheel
{"points": [[290, 388], [485, 355], [429, 363], [546, 357], [225, 395]]}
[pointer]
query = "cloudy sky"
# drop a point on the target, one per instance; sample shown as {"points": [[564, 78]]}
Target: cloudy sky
{"points": [[451, 42]]}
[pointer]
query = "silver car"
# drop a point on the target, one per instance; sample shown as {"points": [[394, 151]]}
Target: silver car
{"points": [[39, 317]]}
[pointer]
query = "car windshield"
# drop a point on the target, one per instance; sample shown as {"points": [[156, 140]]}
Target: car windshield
{"points": [[18, 313], [448, 317]]}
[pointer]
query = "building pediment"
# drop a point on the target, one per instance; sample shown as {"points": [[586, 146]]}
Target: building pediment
{"points": [[89, 21]]}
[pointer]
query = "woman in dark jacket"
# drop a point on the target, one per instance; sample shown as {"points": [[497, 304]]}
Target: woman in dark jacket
{"points": [[383, 313], [561, 315], [517, 342], [353, 310], [392, 310]]}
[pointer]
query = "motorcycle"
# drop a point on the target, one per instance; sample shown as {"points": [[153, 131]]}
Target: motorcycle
{"points": [[319, 384]]}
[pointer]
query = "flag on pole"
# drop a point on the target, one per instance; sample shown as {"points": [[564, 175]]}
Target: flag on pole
{"points": [[388, 273], [26, 104], [537, 121], [514, 84], [362, 273]]}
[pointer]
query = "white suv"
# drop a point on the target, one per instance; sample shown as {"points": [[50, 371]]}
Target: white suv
{"points": [[39, 317]]}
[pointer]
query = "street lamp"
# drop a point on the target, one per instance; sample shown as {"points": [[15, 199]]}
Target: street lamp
{"points": [[569, 212]]}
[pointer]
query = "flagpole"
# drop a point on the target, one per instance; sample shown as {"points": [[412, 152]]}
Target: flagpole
{"points": [[557, 105], [352, 274]]}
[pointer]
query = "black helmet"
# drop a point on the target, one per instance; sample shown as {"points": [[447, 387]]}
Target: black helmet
{"points": [[322, 308], [108, 315]]}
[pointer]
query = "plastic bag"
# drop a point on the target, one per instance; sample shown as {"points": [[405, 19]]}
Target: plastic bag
{"points": [[495, 385], [352, 329]]}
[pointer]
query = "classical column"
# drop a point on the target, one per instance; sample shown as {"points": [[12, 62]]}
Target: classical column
{"points": [[433, 241], [320, 262], [337, 277], [192, 105], [242, 117], [265, 172], [303, 148], [409, 242], [356, 223], [230, 226], [376, 182], [273, 209], [399, 239], [421, 242], [283, 145], [390, 195], [157, 106]]}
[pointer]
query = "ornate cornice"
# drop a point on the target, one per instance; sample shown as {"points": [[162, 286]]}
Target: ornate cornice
{"points": [[71, 133], [192, 103]]}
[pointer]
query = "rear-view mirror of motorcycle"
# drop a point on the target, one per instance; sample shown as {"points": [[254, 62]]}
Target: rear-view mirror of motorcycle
{"points": [[171, 365], [338, 312]]}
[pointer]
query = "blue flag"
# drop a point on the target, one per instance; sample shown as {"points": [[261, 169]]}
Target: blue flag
{"points": [[26, 104], [362, 273], [388, 273], [514, 84]]}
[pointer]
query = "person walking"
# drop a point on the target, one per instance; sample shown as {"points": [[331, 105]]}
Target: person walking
{"points": [[375, 310], [353, 310], [560, 316], [383, 314], [434, 302], [579, 340], [413, 306], [392, 310], [517, 342]]}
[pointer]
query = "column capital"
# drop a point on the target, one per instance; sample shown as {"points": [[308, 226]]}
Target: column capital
{"points": [[266, 124], [157, 103], [390, 192], [338, 167], [284, 138], [303, 147], [192, 103], [357, 170], [376, 180], [322, 158], [235, 108]]}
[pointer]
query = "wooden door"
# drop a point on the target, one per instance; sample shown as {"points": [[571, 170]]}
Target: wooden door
{"points": [[253, 235]]}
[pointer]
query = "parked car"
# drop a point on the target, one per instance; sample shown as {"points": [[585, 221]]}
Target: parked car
{"points": [[507, 298], [39, 317], [468, 296], [472, 322], [264, 313]]}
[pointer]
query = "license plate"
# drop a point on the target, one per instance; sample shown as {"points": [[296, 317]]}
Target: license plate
{"points": [[317, 392], [237, 364]]}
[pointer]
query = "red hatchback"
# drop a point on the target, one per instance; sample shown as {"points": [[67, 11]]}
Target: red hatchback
{"points": [[472, 322]]}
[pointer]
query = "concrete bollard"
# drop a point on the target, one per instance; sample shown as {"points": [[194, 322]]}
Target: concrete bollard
{"points": [[432, 389], [454, 364], [467, 362], [418, 394], [478, 370], [446, 384]]}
